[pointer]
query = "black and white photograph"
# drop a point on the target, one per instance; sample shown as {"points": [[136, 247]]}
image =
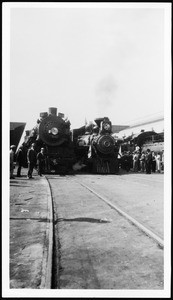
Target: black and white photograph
{"points": [[86, 149]]}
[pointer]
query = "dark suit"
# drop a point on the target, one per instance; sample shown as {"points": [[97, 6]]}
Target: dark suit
{"points": [[148, 162], [20, 161], [40, 163], [31, 157]]}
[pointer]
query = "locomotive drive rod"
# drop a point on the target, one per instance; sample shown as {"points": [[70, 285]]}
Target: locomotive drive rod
{"points": [[147, 231]]}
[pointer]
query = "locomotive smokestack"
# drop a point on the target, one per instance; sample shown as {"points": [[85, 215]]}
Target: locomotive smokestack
{"points": [[53, 111]]}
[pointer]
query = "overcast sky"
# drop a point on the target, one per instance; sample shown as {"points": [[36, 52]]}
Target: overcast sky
{"points": [[87, 62]]}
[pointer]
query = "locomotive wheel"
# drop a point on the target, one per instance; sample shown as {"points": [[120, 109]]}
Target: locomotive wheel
{"points": [[105, 166]]}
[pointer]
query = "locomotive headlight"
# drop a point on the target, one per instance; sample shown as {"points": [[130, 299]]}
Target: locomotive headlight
{"points": [[106, 126], [54, 131]]}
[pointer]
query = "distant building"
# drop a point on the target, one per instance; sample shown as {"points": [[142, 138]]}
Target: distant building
{"points": [[118, 128], [16, 131], [154, 124]]}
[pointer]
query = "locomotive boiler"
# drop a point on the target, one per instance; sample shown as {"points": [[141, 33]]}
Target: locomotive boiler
{"points": [[52, 132], [97, 148]]}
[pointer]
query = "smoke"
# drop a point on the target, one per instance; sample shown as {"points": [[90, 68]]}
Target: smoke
{"points": [[105, 93]]}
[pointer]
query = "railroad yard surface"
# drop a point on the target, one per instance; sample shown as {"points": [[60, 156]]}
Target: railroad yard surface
{"points": [[87, 232]]}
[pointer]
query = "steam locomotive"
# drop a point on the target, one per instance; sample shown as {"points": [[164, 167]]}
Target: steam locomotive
{"points": [[52, 132], [97, 148], [144, 140]]}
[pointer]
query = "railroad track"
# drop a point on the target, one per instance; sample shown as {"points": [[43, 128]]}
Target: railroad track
{"points": [[139, 225], [58, 220]]}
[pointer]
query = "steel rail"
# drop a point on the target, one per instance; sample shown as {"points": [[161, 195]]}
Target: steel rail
{"points": [[147, 231], [46, 279]]}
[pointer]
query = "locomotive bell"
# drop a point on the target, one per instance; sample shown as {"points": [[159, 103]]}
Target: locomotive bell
{"points": [[53, 111], [61, 115], [43, 115]]}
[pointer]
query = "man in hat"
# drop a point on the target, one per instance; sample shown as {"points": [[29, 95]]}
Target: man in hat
{"points": [[12, 151], [32, 159], [41, 162]]}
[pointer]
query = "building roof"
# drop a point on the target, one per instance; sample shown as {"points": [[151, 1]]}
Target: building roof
{"points": [[16, 131]]}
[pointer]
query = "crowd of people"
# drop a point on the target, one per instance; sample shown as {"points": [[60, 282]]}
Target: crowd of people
{"points": [[34, 160], [137, 161], [147, 162]]}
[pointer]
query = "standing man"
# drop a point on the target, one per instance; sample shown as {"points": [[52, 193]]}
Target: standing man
{"points": [[153, 162], [135, 161], [32, 159], [125, 161], [148, 161], [142, 161], [12, 151], [19, 160], [41, 162], [158, 162], [162, 160]]}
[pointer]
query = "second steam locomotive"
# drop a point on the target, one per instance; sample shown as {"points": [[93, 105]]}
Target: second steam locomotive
{"points": [[97, 148], [52, 132]]}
